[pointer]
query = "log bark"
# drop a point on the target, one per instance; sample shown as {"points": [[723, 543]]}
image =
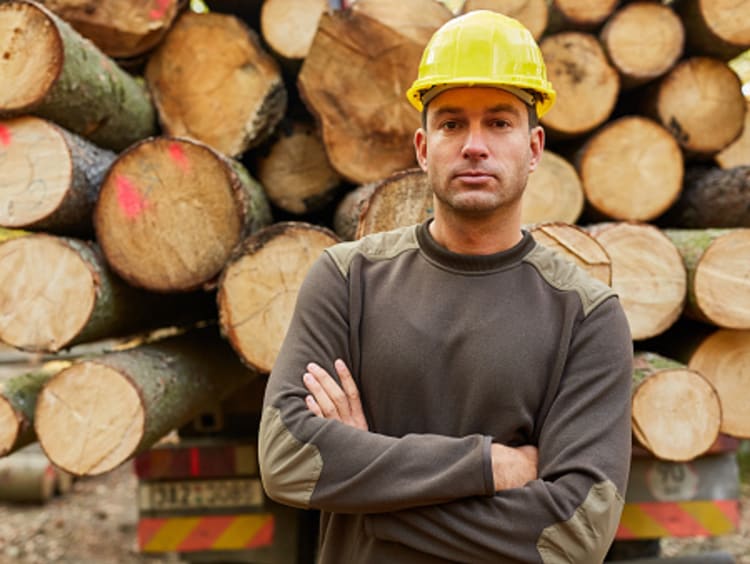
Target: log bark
{"points": [[259, 286], [579, 14], [60, 76], [587, 85], [716, 27], [56, 292], [295, 171], [712, 197], [288, 26], [170, 212], [737, 153], [577, 246], [27, 478], [553, 193], [700, 102], [353, 81], [50, 177], [531, 13], [647, 274], [120, 28], [631, 169], [643, 40], [718, 266], [98, 413], [212, 81], [17, 402], [676, 412], [349, 209]]}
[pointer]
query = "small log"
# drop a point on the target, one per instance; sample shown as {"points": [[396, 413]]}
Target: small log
{"points": [[576, 245], [723, 358], [27, 478], [737, 153], [700, 102], [631, 169], [579, 14], [212, 81], [718, 266], [647, 274], [51, 177], [716, 27], [295, 171], [55, 292], [531, 13], [553, 193], [712, 197], [587, 85], [676, 412], [60, 76], [170, 212], [98, 413], [349, 209], [259, 286], [17, 402], [643, 40], [353, 81], [120, 28], [288, 26]]}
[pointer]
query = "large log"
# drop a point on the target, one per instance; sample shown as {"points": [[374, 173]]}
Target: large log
{"points": [[295, 171], [353, 81], [212, 81], [631, 169], [100, 412], [716, 27], [50, 177], [718, 265], [643, 40], [553, 193], [577, 246], [737, 153], [676, 412], [700, 102], [579, 14], [531, 13], [587, 85], [647, 274], [258, 288], [288, 26], [120, 28], [55, 292], [171, 210], [712, 197], [27, 478], [60, 76], [348, 210]]}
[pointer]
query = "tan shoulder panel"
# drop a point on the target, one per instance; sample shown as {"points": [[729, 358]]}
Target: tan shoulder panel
{"points": [[377, 246]]}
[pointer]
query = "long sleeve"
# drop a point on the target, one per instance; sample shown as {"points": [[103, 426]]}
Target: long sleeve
{"points": [[571, 512], [307, 461]]}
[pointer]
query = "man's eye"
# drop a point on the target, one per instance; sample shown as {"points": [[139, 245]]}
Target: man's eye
{"points": [[449, 124], [500, 123]]}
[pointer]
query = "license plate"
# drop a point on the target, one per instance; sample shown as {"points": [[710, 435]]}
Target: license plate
{"points": [[191, 494]]}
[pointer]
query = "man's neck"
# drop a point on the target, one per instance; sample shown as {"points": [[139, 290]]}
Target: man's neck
{"points": [[477, 235]]}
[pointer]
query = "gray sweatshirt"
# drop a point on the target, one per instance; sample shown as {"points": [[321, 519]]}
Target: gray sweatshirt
{"points": [[450, 353]]}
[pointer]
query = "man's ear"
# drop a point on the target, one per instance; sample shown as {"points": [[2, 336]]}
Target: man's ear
{"points": [[536, 144], [420, 148]]}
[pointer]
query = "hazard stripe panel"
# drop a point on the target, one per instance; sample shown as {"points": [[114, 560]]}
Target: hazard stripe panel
{"points": [[205, 461], [678, 519], [215, 532]]}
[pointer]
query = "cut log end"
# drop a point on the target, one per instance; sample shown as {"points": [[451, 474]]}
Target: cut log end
{"points": [[47, 293], [36, 169], [531, 13], [577, 246], [77, 432], [31, 55], [288, 26], [585, 13], [10, 426], [553, 193], [676, 414]]}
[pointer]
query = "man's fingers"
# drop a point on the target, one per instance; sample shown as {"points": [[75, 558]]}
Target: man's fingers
{"points": [[313, 406], [352, 394], [327, 407], [332, 389]]}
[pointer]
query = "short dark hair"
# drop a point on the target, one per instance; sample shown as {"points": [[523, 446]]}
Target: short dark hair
{"points": [[533, 117]]}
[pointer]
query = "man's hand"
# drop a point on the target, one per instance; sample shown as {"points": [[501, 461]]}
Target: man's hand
{"points": [[513, 467], [328, 400]]}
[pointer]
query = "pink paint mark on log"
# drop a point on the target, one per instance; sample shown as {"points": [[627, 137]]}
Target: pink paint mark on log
{"points": [[131, 202], [158, 12], [4, 136], [178, 156]]}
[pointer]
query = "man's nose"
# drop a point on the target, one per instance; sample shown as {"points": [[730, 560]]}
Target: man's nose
{"points": [[475, 145]]}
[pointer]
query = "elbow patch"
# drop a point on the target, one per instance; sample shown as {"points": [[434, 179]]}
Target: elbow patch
{"points": [[586, 536], [289, 469]]}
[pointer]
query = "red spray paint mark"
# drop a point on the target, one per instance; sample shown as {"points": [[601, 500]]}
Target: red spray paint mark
{"points": [[4, 136], [130, 200], [160, 10], [178, 156]]}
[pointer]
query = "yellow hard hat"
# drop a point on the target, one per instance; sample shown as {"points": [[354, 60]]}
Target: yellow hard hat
{"points": [[483, 48]]}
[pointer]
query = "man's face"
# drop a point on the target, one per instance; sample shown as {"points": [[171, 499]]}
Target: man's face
{"points": [[477, 150]]}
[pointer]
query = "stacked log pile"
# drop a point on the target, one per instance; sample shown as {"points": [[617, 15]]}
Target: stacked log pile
{"points": [[161, 167]]}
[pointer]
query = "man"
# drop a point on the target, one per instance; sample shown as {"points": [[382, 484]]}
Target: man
{"points": [[478, 406]]}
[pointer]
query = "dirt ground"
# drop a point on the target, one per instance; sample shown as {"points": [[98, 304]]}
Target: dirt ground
{"points": [[95, 523]]}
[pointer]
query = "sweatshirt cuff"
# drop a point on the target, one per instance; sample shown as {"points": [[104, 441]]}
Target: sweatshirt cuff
{"points": [[489, 479]]}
